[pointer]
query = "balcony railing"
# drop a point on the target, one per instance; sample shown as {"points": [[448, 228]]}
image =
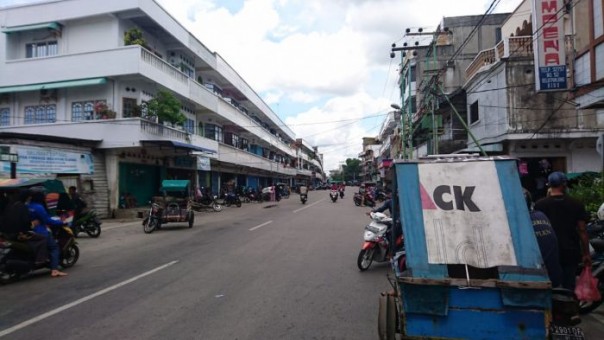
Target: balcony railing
{"points": [[507, 48], [162, 131]]}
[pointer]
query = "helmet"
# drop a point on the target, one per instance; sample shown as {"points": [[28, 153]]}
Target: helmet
{"points": [[601, 212]]}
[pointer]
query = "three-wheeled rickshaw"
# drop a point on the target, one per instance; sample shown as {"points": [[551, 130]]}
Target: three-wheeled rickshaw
{"points": [[172, 206], [471, 267]]}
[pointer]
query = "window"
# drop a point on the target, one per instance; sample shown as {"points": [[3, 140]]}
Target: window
{"points": [[214, 132], [129, 107], [599, 61], [597, 19], [474, 112], [189, 126], [84, 110], [200, 129], [40, 114], [497, 35], [244, 144], [4, 116], [41, 49], [235, 141], [412, 73]]}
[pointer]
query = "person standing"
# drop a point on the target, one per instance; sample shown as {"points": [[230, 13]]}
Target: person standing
{"points": [[568, 218]]}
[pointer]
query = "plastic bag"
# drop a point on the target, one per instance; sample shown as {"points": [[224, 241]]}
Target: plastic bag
{"points": [[587, 286]]}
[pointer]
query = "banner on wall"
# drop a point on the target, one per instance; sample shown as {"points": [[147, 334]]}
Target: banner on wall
{"points": [[203, 163], [464, 220], [40, 160], [549, 45]]}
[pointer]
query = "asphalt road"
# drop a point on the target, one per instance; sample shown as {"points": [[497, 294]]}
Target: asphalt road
{"points": [[263, 271]]}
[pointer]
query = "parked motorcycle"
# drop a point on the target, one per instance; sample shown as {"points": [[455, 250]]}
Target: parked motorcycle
{"points": [[17, 258], [153, 219], [206, 202], [376, 245], [232, 198], [333, 194], [87, 222], [369, 201]]}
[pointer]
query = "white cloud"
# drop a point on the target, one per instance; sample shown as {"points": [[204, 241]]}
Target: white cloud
{"points": [[304, 50]]}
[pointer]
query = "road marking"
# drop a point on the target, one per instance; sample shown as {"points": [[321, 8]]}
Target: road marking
{"points": [[80, 301], [308, 206], [261, 225]]}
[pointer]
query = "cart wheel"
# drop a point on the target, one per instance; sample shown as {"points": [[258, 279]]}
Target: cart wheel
{"points": [[191, 219], [387, 316], [365, 259]]}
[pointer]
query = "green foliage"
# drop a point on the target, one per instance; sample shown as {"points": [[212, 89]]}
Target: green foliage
{"points": [[352, 169], [589, 190], [166, 107], [134, 36]]}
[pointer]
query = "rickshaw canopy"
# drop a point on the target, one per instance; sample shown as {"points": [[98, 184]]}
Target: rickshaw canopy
{"points": [[174, 185], [51, 185]]}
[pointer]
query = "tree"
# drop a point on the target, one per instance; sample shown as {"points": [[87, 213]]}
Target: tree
{"points": [[134, 36], [352, 169], [166, 107]]}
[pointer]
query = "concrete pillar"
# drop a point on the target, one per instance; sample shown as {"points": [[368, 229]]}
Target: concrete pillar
{"points": [[112, 170]]}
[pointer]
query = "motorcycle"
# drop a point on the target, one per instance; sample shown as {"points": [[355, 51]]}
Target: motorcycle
{"points": [[369, 201], [303, 198], [232, 198], [87, 222], [17, 258], [341, 190], [376, 245], [153, 219], [333, 194], [206, 202]]}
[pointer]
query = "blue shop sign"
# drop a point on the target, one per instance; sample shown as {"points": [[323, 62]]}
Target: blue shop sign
{"points": [[552, 77]]}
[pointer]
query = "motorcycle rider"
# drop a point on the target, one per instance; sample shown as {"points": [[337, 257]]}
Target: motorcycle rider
{"points": [[387, 205], [16, 226], [42, 223]]}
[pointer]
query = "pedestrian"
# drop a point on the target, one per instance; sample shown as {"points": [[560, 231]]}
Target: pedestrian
{"points": [[568, 218], [547, 241]]}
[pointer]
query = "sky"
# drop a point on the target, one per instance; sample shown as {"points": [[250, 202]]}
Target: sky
{"points": [[323, 66]]}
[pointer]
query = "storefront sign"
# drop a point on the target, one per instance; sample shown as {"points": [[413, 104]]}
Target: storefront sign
{"points": [[465, 221], [39, 160], [548, 45], [203, 163]]}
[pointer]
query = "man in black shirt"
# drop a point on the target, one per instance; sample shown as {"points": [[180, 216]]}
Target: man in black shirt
{"points": [[568, 218]]}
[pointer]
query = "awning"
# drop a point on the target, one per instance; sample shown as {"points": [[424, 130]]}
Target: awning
{"points": [[49, 25], [51, 185], [55, 85], [176, 144]]}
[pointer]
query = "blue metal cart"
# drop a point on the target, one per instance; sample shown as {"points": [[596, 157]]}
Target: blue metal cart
{"points": [[473, 266]]}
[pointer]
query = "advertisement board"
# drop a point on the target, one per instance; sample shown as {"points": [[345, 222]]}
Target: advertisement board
{"points": [[549, 46], [41, 160]]}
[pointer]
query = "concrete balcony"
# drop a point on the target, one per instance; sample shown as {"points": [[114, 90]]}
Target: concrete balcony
{"points": [[232, 155], [114, 133], [507, 48]]}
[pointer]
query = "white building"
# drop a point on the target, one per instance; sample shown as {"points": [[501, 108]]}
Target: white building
{"points": [[71, 89]]}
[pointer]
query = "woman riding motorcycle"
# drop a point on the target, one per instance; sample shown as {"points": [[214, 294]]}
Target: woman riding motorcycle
{"points": [[42, 221]]}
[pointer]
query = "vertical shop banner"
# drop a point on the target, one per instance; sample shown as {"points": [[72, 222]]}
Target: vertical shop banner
{"points": [[548, 45], [39, 160], [465, 220]]}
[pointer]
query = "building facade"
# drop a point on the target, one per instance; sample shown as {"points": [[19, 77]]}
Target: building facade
{"points": [[75, 78]]}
